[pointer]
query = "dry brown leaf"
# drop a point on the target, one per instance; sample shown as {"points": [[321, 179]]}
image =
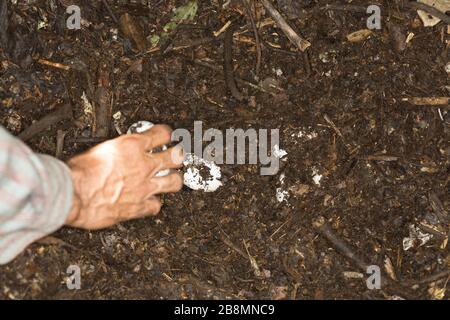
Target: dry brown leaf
{"points": [[133, 31], [359, 35], [428, 20]]}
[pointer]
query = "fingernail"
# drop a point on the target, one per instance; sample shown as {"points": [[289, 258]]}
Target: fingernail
{"points": [[177, 155]]}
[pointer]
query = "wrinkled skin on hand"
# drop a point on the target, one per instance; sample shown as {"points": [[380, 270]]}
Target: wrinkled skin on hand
{"points": [[115, 181]]}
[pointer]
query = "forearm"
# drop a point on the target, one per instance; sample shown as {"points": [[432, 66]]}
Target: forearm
{"points": [[36, 196]]}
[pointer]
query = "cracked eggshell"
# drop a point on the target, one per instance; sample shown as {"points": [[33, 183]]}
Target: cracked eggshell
{"points": [[416, 238], [316, 176], [193, 177], [279, 153], [281, 194], [142, 126]]}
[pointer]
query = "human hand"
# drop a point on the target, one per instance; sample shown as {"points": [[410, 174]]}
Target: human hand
{"points": [[115, 181]]}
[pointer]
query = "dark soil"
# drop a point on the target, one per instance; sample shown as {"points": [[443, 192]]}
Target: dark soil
{"points": [[202, 245]]}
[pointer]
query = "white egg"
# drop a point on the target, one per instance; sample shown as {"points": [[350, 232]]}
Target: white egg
{"points": [[140, 127]]}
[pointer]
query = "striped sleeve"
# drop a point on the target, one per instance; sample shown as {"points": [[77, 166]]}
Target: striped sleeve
{"points": [[35, 196]]}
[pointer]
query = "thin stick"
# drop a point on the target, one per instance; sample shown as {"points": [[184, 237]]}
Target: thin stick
{"points": [[307, 64], [252, 260], [62, 113], [178, 47], [111, 13], [87, 140], [238, 80], [4, 22], [338, 132], [53, 64], [228, 64], [60, 135], [255, 32], [344, 7], [102, 107], [322, 227], [325, 230], [223, 29], [432, 278], [277, 49], [381, 157], [301, 43], [224, 237], [425, 101]]}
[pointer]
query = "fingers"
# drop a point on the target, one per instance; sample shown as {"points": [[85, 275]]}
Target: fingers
{"points": [[169, 159], [170, 183], [157, 136], [149, 207], [152, 206]]}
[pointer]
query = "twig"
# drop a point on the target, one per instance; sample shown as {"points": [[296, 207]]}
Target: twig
{"points": [[344, 7], [111, 13], [62, 113], [252, 260], [4, 22], [178, 47], [223, 29], [408, 4], [238, 80], [103, 107], [307, 63], [228, 64], [53, 64], [257, 40], [279, 228], [428, 101], [322, 227], [225, 239], [51, 240], [338, 132], [429, 279], [382, 157], [438, 207], [283, 51], [60, 135], [87, 140], [325, 230], [301, 43]]}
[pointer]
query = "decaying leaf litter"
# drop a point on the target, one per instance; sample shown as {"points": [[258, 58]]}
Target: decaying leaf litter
{"points": [[363, 116]]}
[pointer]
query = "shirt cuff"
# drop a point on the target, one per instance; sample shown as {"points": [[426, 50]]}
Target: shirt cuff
{"points": [[57, 192]]}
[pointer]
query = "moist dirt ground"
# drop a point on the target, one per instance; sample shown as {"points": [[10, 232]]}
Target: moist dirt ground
{"points": [[360, 157]]}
